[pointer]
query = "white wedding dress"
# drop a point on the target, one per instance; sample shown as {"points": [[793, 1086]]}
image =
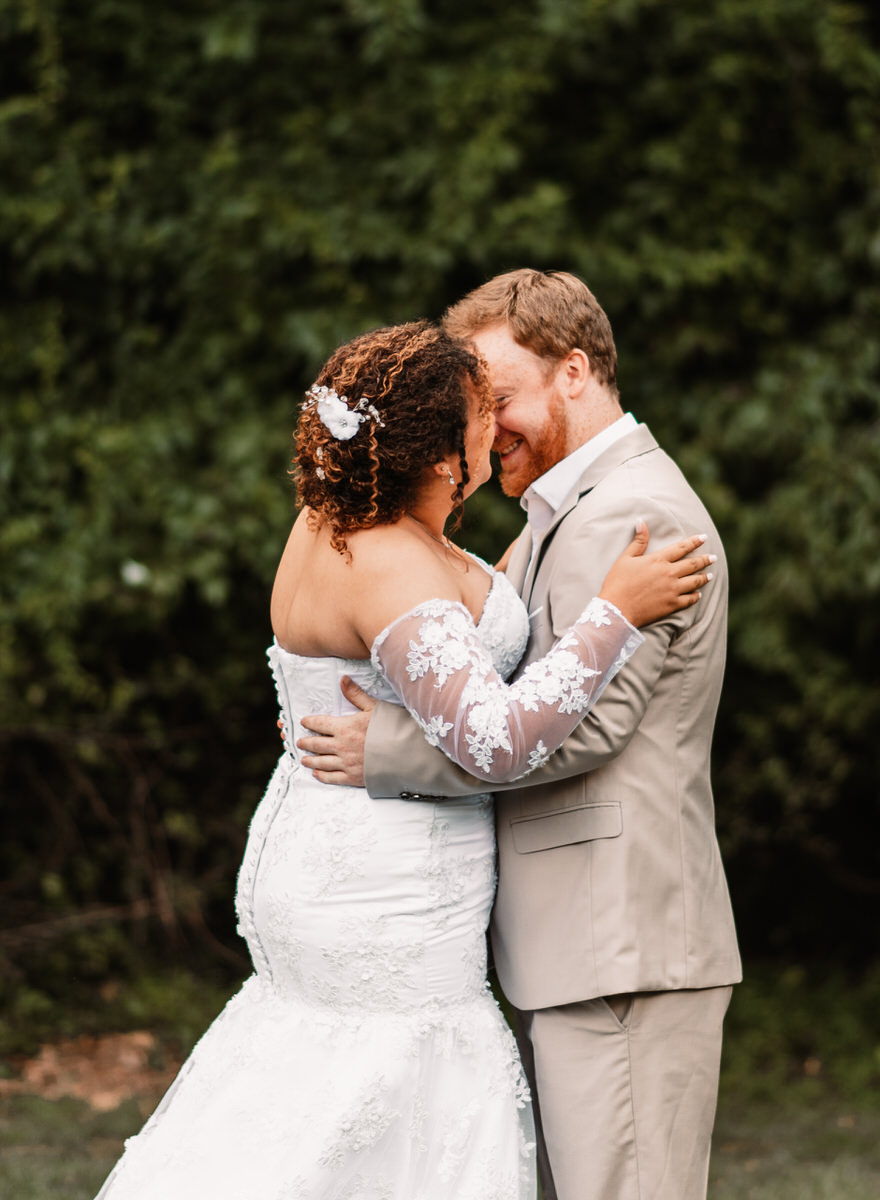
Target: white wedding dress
{"points": [[366, 1058]]}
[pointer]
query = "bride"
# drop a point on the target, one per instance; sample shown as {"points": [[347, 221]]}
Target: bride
{"points": [[365, 1058]]}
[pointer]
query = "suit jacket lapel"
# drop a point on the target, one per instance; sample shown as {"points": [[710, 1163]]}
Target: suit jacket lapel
{"points": [[564, 509]]}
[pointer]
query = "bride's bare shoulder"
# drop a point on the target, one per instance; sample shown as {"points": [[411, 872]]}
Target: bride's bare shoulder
{"points": [[386, 551], [386, 571], [390, 560]]}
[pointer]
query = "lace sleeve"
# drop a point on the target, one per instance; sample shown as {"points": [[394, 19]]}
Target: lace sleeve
{"points": [[434, 659]]}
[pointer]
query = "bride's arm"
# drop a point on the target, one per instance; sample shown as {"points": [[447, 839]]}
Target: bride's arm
{"points": [[644, 587], [392, 760], [436, 662]]}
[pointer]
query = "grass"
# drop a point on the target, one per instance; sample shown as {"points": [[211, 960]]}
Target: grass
{"points": [[798, 1148], [61, 1150]]}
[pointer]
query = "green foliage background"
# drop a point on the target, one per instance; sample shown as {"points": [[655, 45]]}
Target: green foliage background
{"points": [[200, 200]]}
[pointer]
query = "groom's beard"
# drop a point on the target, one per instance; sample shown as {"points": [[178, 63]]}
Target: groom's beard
{"points": [[545, 449]]}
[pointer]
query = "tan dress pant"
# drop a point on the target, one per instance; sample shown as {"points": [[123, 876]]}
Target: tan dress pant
{"points": [[625, 1090]]}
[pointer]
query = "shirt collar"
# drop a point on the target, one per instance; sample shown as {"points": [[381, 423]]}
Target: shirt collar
{"points": [[542, 499]]}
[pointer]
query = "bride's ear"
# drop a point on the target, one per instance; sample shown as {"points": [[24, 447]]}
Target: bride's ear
{"points": [[444, 471]]}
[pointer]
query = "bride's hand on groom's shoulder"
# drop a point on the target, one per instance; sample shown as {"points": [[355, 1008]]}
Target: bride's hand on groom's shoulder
{"points": [[335, 747], [647, 587]]}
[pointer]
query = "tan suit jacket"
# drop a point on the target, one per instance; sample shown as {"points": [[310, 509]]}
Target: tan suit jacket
{"points": [[610, 876]]}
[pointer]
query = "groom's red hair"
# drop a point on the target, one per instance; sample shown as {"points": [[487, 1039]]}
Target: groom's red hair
{"points": [[548, 312]]}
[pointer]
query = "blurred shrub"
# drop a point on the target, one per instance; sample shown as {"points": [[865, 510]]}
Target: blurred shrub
{"points": [[802, 1031]]}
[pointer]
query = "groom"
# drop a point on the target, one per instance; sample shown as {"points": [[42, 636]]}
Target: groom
{"points": [[612, 930]]}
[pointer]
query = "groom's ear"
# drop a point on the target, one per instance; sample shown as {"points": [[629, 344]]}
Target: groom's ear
{"points": [[574, 372]]}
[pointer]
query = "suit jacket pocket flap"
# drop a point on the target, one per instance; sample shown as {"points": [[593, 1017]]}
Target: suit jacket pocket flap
{"points": [[567, 825]]}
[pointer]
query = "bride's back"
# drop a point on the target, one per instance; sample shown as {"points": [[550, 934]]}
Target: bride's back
{"points": [[327, 604]]}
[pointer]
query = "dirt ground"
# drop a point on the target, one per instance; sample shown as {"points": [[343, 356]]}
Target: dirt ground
{"points": [[103, 1071]]}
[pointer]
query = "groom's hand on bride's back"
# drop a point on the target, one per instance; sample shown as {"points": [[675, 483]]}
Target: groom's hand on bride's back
{"points": [[334, 751]]}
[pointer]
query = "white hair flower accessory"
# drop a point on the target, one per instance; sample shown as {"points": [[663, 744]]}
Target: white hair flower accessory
{"points": [[333, 412]]}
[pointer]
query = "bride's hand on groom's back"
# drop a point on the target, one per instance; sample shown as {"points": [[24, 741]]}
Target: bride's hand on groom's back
{"points": [[646, 587]]}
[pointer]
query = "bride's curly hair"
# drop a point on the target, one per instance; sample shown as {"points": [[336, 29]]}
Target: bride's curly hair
{"points": [[413, 385]]}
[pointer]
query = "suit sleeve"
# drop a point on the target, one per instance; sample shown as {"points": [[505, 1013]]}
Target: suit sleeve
{"points": [[397, 758]]}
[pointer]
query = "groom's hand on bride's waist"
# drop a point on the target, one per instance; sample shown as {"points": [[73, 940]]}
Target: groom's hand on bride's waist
{"points": [[334, 751]]}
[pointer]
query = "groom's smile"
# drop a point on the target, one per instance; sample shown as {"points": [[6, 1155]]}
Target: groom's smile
{"points": [[530, 417], [504, 452]]}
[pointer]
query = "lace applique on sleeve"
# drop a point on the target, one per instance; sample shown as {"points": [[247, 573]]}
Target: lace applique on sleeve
{"points": [[434, 659]]}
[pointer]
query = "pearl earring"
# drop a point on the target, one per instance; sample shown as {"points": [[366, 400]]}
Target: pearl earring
{"points": [[451, 479]]}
